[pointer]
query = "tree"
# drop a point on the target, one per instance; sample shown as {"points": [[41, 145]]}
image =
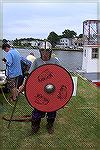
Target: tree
{"points": [[69, 34], [4, 41], [15, 43], [53, 38], [80, 35]]}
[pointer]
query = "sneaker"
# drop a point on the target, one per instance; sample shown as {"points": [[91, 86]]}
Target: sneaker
{"points": [[35, 125], [35, 130], [50, 129], [11, 99]]}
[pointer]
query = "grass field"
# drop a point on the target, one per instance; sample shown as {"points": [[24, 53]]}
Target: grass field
{"points": [[77, 125]]}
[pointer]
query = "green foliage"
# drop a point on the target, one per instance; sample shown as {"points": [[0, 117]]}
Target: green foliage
{"points": [[76, 127], [69, 34], [4, 41], [16, 42], [53, 38], [80, 36]]}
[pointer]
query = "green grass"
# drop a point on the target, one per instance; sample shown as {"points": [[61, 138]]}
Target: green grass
{"points": [[77, 126]]}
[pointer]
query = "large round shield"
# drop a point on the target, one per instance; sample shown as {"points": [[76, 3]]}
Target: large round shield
{"points": [[49, 87]]}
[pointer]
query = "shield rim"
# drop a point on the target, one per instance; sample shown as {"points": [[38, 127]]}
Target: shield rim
{"points": [[50, 65]]}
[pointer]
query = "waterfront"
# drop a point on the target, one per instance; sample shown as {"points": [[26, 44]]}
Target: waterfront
{"points": [[71, 60]]}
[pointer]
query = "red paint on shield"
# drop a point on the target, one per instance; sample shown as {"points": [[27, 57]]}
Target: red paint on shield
{"points": [[49, 87]]}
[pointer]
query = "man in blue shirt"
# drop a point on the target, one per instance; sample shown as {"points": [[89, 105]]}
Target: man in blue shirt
{"points": [[13, 68]]}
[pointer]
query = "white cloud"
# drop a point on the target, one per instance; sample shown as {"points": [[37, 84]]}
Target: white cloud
{"points": [[39, 19]]}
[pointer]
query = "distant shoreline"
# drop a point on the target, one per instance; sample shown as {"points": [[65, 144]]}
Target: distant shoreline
{"points": [[54, 49], [66, 49]]}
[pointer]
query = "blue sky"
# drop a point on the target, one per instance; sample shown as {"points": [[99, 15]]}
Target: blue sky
{"points": [[37, 20]]}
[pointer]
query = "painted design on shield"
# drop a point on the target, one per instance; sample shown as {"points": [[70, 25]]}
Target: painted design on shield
{"points": [[45, 75], [41, 100], [62, 93]]}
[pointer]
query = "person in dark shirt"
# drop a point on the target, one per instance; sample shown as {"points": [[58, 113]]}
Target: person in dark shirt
{"points": [[45, 50]]}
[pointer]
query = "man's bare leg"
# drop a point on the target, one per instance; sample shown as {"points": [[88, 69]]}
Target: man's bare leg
{"points": [[14, 93]]}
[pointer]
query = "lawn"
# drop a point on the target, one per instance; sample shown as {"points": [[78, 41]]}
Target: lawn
{"points": [[77, 125]]}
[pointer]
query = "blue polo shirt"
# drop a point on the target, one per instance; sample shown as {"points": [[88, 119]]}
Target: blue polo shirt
{"points": [[13, 64]]}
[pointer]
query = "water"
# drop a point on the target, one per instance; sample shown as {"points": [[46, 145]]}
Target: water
{"points": [[69, 59]]}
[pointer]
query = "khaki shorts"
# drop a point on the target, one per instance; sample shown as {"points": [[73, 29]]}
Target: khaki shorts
{"points": [[12, 82]]}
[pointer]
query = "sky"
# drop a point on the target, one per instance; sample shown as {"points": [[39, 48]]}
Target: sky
{"points": [[37, 20]]}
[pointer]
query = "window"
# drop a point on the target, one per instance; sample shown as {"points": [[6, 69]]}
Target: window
{"points": [[85, 53], [95, 53], [80, 44]]}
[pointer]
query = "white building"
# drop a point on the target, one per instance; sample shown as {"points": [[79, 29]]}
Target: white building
{"points": [[77, 42], [24, 42], [91, 50], [34, 43], [91, 59], [65, 42]]}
